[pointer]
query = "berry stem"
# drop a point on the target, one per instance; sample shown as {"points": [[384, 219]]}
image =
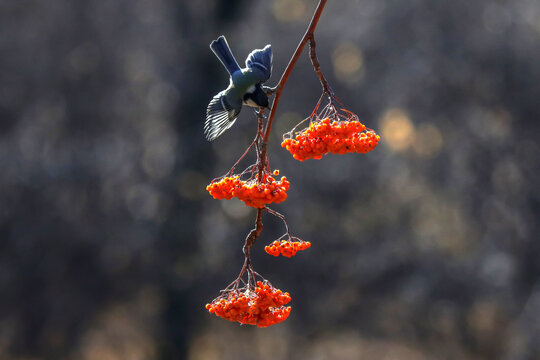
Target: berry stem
{"points": [[275, 213], [262, 158], [315, 62], [254, 142]]}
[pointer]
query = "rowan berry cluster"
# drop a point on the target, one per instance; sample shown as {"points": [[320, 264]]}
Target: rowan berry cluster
{"points": [[332, 129], [286, 248], [336, 137], [262, 306], [252, 193]]}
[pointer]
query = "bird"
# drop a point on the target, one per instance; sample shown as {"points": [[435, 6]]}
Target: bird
{"points": [[245, 87]]}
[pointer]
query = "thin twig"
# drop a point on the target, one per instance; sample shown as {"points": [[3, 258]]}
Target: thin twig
{"points": [[254, 142], [315, 62], [275, 213], [279, 88], [261, 155]]}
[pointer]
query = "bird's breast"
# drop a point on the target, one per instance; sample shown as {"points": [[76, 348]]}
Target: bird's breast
{"points": [[249, 102]]}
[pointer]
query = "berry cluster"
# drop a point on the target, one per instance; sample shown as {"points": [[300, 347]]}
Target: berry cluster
{"points": [[262, 306], [336, 137], [251, 192], [286, 248]]}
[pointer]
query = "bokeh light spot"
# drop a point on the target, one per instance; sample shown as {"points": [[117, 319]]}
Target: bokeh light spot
{"points": [[285, 122], [491, 124], [159, 151], [84, 59], [289, 10], [496, 18], [507, 177], [348, 63], [428, 141], [235, 209], [142, 201], [482, 318], [397, 129], [440, 226], [190, 185]]}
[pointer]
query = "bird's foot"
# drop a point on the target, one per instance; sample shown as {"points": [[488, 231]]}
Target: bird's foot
{"points": [[269, 90]]}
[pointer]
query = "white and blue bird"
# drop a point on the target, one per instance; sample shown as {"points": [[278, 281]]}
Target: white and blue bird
{"points": [[245, 87]]}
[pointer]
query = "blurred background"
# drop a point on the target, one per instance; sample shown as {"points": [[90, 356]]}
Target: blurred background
{"points": [[426, 248]]}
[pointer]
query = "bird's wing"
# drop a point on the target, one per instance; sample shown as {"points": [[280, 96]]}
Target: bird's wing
{"points": [[261, 59], [220, 116]]}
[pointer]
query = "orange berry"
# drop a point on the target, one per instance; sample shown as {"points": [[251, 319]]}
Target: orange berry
{"points": [[252, 193], [326, 136]]}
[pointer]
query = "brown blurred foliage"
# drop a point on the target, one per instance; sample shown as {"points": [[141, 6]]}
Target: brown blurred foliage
{"points": [[423, 249]]}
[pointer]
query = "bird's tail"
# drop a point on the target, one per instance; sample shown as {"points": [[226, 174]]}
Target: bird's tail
{"points": [[224, 54]]}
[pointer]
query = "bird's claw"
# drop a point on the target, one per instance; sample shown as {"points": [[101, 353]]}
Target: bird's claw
{"points": [[269, 90]]}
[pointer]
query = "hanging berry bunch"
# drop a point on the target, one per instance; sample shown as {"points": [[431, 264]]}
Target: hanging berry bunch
{"points": [[251, 299], [252, 192], [286, 248], [261, 305], [331, 130]]}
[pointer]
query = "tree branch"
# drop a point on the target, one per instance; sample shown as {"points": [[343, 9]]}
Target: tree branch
{"points": [[261, 151], [279, 88]]}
